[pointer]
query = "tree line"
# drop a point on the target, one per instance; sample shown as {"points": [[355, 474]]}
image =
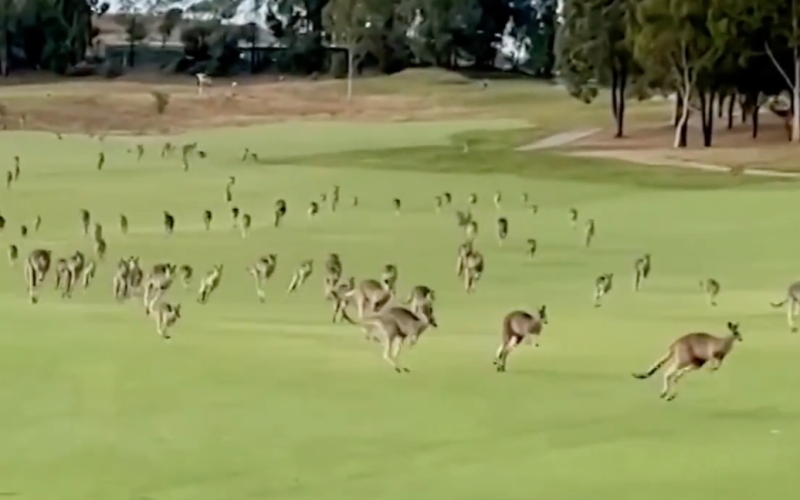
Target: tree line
{"points": [[379, 35], [710, 54]]}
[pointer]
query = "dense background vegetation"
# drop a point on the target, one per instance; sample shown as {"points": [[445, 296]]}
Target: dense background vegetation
{"points": [[709, 53]]}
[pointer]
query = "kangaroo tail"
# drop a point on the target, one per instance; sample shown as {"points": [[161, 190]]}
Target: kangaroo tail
{"points": [[779, 304], [656, 366]]}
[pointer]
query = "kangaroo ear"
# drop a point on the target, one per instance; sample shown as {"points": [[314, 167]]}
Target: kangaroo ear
{"points": [[731, 325]]}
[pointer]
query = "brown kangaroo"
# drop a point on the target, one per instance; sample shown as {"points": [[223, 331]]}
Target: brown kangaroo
{"points": [[395, 325], [690, 352], [519, 326]]}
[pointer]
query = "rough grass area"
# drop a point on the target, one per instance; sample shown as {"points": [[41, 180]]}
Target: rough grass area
{"points": [[254, 401], [126, 106]]}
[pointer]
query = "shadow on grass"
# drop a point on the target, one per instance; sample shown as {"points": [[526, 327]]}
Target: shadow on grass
{"points": [[482, 152]]}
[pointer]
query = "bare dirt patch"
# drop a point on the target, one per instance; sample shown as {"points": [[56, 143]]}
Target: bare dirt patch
{"points": [[732, 149], [98, 106]]}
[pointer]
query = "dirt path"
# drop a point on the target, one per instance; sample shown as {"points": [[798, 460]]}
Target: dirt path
{"points": [[657, 159], [645, 157], [561, 139]]}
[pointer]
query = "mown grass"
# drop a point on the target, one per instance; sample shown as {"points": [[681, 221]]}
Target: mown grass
{"points": [[254, 401]]}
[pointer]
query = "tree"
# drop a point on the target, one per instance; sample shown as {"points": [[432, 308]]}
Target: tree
{"points": [[169, 21], [343, 21], [780, 19], [674, 41], [593, 48]]}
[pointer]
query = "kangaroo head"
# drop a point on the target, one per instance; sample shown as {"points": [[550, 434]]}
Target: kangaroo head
{"points": [[734, 329], [543, 314]]}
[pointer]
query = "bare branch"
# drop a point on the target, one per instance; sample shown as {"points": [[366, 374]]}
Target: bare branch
{"points": [[775, 62]]}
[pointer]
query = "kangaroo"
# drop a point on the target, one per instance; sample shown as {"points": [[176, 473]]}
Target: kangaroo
{"points": [[101, 160], [37, 223], [389, 277], [210, 283], [502, 229], [333, 273], [165, 316], [169, 222], [463, 250], [86, 220], [139, 152], [394, 326], [471, 230], [518, 327], [234, 215], [13, 254], [473, 199], [588, 233], [369, 295], [280, 211], [532, 246], [36, 267], [23, 230], [334, 198], [157, 283], [792, 302], [711, 288], [448, 198], [186, 272], [123, 224], [473, 270], [167, 149], [313, 209], [690, 352], [121, 282], [337, 292], [62, 277], [17, 170], [602, 285], [98, 232], [419, 296], [75, 265], [244, 224], [100, 248], [438, 203], [463, 218], [9, 179], [498, 196], [573, 217], [207, 218], [135, 275], [262, 270], [641, 271], [88, 273], [301, 275]]}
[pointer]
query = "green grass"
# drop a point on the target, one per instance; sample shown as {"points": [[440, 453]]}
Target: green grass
{"points": [[252, 401]]}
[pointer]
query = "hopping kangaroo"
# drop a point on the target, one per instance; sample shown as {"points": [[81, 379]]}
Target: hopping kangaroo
{"points": [[602, 285], [690, 352], [389, 277], [36, 267], [165, 316], [333, 273], [370, 295], [156, 283], [210, 283], [473, 270], [262, 270], [301, 275], [395, 325], [711, 288], [418, 297], [518, 327], [338, 294], [641, 271], [792, 302]]}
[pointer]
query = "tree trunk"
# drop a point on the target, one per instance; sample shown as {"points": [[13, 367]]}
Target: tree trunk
{"points": [[623, 80], [683, 124], [731, 102], [796, 99], [677, 110], [350, 71], [755, 120], [707, 110], [614, 84], [721, 105]]}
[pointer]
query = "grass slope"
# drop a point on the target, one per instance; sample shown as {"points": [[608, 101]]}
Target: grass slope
{"points": [[252, 401]]}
